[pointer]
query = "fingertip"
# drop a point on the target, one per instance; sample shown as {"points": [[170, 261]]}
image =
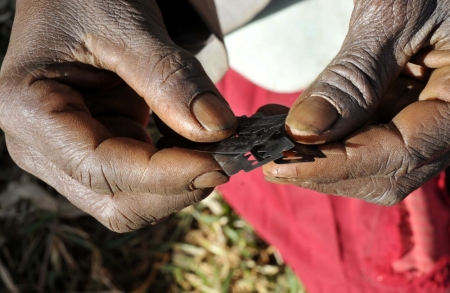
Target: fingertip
{"points": [[273, 171], [210, 180], [213, 113], [310, 118], [216, 120]]}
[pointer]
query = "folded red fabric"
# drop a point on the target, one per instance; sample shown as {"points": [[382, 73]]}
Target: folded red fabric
{"points": [[338, 244]]}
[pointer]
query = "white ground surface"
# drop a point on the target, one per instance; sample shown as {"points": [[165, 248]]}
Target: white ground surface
{"points": [[285, 51]]}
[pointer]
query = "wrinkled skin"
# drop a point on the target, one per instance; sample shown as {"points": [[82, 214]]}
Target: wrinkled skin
{"points": [[385, 120], [76, 88]]}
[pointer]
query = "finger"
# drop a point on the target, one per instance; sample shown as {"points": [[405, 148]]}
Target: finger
{"points": [[170, 79], [380, 164], [171, 138], [402, 92], [438, 86], [125, 127], [120, 212], [78, 144], [163, 128], [417, 72], [119, 101], [105, 94], [380, 41], [432, 58]]}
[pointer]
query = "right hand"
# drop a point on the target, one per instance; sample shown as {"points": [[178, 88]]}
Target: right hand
{"points": [[385, 120], [76, 88]]}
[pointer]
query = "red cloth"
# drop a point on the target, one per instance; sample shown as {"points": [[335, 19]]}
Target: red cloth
{"points": [[337, 244]]}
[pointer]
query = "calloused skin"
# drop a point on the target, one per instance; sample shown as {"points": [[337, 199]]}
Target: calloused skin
{"points": [[76, 87], [80, 78], [380, 110]]}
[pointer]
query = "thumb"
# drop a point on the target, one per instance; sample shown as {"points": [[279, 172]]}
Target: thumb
{"points": [[382, 37], [170, 79]]}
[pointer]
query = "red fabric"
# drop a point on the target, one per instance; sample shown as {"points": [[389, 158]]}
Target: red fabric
{"points": [[336, 244]]}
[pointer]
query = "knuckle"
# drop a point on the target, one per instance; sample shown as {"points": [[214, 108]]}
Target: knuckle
{"points": [[354, 81], [427, 146], [388, 198], [118, 217], [177, 65], [96, 176], [396, 189], [380, 190]]}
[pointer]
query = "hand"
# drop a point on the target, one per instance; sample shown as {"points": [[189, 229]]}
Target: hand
{"points": [[76, 88], [385, 120]]}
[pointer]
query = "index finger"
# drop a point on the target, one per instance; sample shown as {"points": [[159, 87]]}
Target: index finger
{"points": [[380, 164], [62, 130]]}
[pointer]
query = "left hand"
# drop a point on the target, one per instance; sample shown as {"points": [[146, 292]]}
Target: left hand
{"points": [[385, 120], [76, 88]]}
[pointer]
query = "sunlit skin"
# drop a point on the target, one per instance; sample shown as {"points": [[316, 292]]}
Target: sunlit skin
{"points": [[380, 108], [76, 88], [80, 78]]}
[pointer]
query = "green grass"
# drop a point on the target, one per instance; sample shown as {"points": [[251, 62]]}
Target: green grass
{"points": [[47, 245]]}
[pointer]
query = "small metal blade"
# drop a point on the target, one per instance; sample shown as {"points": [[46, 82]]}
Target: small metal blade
{"points": [[258, 141]]}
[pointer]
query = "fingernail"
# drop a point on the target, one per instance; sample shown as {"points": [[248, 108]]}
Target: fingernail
{"points": [[213, 113], [312, 116], [211, 179], [279, 180]]}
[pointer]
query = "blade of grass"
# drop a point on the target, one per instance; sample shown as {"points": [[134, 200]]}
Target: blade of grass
{"points": [[7, 280]]}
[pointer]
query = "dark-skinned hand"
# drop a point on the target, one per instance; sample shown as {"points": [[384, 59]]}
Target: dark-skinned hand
{"points": [[76, 88], [381, 106]]}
